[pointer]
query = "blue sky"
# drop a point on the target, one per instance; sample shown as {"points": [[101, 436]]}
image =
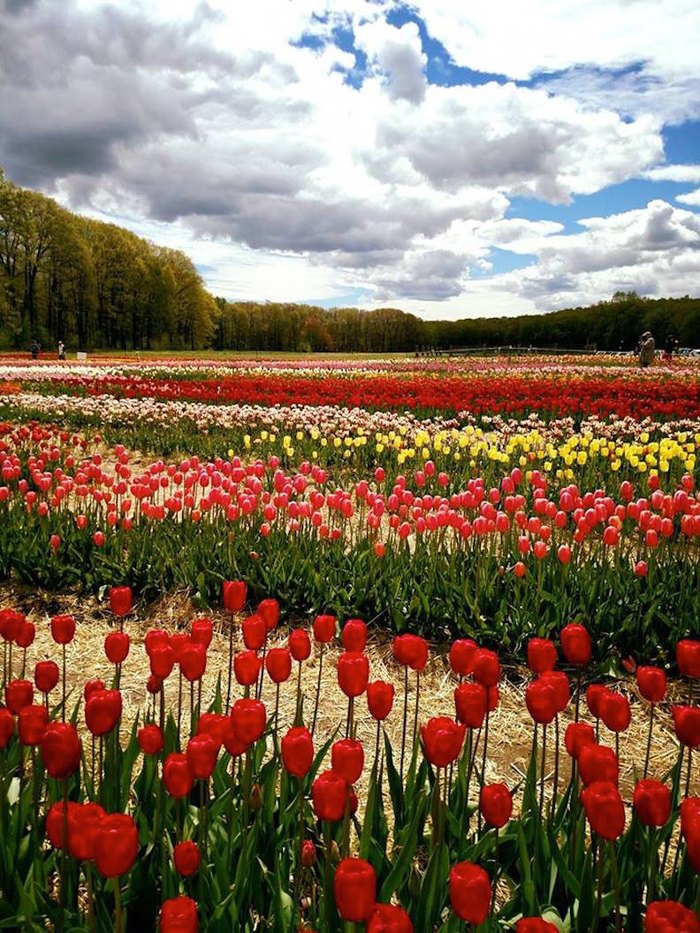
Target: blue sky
{"points": [[451, 159]]}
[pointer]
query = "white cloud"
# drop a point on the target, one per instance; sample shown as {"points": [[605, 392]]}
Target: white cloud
{"points": [[680, 173], [692, 198], [523, 39]]}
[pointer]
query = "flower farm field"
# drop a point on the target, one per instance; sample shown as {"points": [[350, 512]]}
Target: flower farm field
{"points": [[350, 644]]}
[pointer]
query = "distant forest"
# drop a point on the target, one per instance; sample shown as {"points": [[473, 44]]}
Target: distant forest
{"points": [[96, 285]]}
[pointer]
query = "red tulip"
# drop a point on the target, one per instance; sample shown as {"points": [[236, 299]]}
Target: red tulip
{"points": [[162, 660], [594, 696], [202, 631], [216, 726], [354, 635], [249, 719], [150, 739], [652, 802], [116, 845], [615, 711], [495, 804], [186, 858], [471, 703], [31, 724], [177, 776], [353, 673], [560, 684], [269, 611], [10, 624], [462, 654], [688, 657], [179, 915], [535, 925], [686, 722], [92, 686], [355, 889], [604, 809], [348, 759], [442, 740], [61, 750], [117, 647], [63, 629], [690, 816], [233, 594], [411, 651], [158, 638], [598, 763], [278, 664], [120, 600], [193, 661], [246, 667], [201, 755], [308, 854], [84, 821], [299, 644], [329, 793], [470, 892], [387, 918], [324, 628], [576, 736], [103, 711], [18, 694], [297, 751], [54, 822], [7, 727], [652, 683], [26, 634], [487, 669], [254, 632], [380, 699], [46, 676], [670, 917], [541, 701], [541, 655], [576, 644]]}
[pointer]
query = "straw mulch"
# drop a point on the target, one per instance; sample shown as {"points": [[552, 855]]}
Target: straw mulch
{"points": [[510, 729]]}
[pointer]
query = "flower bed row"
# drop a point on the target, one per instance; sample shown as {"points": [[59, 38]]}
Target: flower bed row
{"points": [[502, 559], [222, 818]]}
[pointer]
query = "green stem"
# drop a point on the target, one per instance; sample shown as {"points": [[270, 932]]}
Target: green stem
{"points": [[616, 886], [318, 688], [117, 906], [651, 726], [405, 717]]}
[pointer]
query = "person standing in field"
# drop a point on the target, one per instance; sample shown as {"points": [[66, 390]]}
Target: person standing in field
{"points": [[647, 349]]}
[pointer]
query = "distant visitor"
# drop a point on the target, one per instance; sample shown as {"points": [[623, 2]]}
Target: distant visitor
{"points": [[647, 349]]}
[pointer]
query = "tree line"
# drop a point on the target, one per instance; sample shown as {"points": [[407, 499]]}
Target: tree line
{"points": [[96, 285]]}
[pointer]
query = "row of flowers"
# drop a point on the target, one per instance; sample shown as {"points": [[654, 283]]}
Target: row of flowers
{"points": [[557, 394], [328, 435], [439, 544], [170, 821]]}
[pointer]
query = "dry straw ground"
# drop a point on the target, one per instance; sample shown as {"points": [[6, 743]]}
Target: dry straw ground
{"points": [[510, 732]]}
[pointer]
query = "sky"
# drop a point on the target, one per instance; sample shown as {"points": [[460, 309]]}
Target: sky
{"points": [[450, 158]]}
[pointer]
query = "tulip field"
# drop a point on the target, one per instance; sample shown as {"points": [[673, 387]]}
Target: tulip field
{"points": [[391, 569]]}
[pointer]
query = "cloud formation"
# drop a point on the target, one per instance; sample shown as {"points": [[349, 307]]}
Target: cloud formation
{"points": [[307, 135]]}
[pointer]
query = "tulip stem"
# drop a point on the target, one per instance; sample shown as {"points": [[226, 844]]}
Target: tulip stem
{"points": [[117, 906], [350, 726], [543, 767], [484, 752], [495, 875], [179, 705], [415, 713], [318, 688], [556, 768], [599, 894], [230, 668], [405, 717], [90, 897], [651, 726], [297, 712], [63, 705], [616, 886], [63, 884], [376, 744], [578, 691], [687, 776]]}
